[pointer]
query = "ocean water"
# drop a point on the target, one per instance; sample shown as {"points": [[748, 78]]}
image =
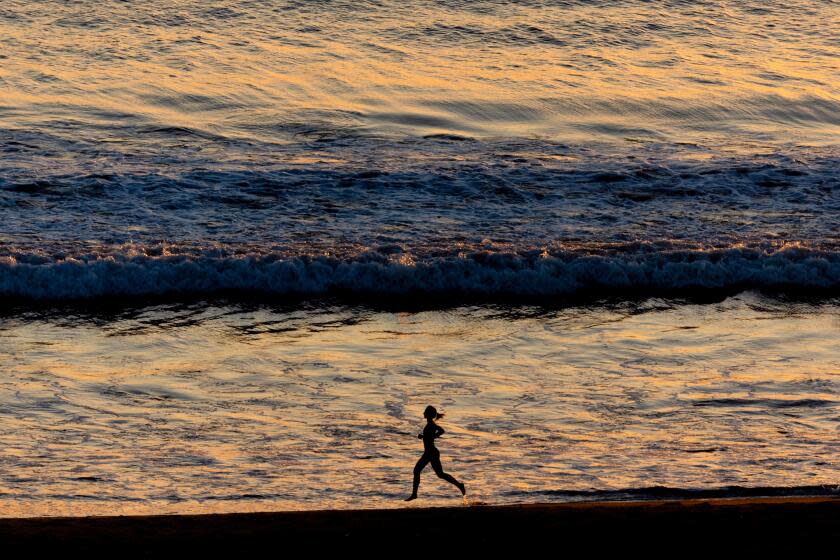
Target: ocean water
{"points": [[243, 244]]}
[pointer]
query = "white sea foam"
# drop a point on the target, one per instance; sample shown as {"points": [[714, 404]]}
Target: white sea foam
{"points": [[483, 275]]}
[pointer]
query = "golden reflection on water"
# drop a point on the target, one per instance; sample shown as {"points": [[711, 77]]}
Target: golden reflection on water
{"points": [[240, 410], [575, 72], [236, 409]]}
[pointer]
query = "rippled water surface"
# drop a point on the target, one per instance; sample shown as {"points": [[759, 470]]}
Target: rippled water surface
{"points": [[673, 70], [218, 221], [678, 144], [214, 408]]}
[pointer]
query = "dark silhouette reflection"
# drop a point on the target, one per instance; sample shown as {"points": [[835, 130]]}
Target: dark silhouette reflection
{"points": [[431, 453]]}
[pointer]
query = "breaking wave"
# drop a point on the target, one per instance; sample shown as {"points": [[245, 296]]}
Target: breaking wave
{"points": [[482, 275]]}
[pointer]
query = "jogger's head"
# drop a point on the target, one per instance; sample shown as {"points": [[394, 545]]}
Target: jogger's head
{"points": [[431, 413]]}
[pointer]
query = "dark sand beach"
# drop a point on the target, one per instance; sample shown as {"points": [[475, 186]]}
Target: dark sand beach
{"points": [[792, 524], [246, 245]]}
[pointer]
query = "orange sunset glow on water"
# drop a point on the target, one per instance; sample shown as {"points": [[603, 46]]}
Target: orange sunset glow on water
{"points": [[575, 70], [243, 410], [244, 245]]}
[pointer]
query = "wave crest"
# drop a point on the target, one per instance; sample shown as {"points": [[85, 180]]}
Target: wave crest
{"points": [[481, 275]]}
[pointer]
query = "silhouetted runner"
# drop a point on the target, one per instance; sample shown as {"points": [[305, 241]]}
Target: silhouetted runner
{"points": [[431, 453]]}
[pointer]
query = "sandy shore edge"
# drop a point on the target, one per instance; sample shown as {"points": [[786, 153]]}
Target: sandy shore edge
{"points": [[777, 523]]}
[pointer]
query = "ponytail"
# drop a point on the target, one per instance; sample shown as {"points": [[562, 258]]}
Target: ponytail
{"points": [[431, 413]]}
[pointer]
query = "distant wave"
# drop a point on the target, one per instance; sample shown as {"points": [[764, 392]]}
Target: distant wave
{"points": [[479, 275]]}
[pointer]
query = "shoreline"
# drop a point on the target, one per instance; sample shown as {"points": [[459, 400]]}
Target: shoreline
{"points": [[793, 523]]}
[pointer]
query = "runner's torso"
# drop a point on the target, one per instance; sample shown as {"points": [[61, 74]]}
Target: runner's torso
{"points": [[429, 437]]}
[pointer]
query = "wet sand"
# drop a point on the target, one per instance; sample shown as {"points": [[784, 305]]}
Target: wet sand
{"points": [[769, 524]]}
